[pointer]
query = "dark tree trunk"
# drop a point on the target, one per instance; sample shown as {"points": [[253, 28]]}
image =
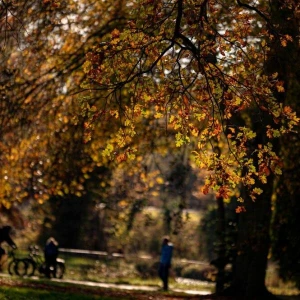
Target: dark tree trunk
{"points": [[221, 231], [253, 240], [286, 241], [253, 247], [254, 225]]}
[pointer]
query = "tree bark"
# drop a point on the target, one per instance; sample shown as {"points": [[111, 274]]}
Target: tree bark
{"points": [[254, 225], [252, 248], [253, 240], [286, 241]]}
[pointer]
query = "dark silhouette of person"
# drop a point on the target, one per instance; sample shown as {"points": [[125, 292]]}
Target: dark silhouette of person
{"points": [[51, 254], [165, 261], [5, 232]]}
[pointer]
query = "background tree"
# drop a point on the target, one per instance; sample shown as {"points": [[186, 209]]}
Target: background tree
{"points": [[43, 142]]}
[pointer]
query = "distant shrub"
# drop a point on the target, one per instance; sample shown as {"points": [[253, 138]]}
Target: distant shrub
{"points": [[147, 269], [177, 268], [199, 272]]}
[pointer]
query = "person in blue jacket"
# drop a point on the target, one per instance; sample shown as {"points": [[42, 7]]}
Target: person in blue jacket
{"points": [[165, 261], [51, 253]]}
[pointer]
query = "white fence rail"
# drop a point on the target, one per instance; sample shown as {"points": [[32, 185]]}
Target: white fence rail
{"points": [[120, 255]]}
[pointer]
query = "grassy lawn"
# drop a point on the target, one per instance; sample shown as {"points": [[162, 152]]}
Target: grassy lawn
{"points": [[23, 293], [28, 289], [13, 288]]}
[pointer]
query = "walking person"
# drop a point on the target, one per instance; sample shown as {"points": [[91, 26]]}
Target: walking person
{"points": [[165, 261]]}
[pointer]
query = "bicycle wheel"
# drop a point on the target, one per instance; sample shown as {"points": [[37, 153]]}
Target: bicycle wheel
{"points": [[30, 266], [60, 270], [21, 268], [12, 267]]}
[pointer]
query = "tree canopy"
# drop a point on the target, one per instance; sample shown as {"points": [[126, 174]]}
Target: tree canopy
{"points": [[198, 68]]}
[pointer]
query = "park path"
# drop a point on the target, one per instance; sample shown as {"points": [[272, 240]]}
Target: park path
{"points": [[129, 287]]}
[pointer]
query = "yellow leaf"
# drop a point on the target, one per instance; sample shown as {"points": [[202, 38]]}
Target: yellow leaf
{"points": [[277, 170], [159, 180], [283, 42], [158, 115], [280, 88], [257, 191], [87, 66]]}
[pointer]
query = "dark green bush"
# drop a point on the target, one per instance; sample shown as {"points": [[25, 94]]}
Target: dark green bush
{"points": [[177, 268], [197, 272], [147, 268]]}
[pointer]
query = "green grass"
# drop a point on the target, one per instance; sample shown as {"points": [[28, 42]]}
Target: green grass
{"points": [[13, 288], [78, 261], [23, 293]]}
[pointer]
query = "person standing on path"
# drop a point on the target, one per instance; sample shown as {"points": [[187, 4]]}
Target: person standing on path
{"points": [[51, 254], [165, 261]]}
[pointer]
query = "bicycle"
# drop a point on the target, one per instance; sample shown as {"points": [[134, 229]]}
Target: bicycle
{"points": [[35, 261], [17, 266]]}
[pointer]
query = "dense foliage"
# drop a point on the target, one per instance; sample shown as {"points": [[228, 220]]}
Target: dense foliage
{"points": [[198, 74]]}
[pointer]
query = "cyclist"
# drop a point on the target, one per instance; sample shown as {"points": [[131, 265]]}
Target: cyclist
{"points": [[5, 232]]}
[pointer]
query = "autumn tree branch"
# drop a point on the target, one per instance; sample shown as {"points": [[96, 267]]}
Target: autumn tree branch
{"points": [[177, 31], [254, 9]]}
